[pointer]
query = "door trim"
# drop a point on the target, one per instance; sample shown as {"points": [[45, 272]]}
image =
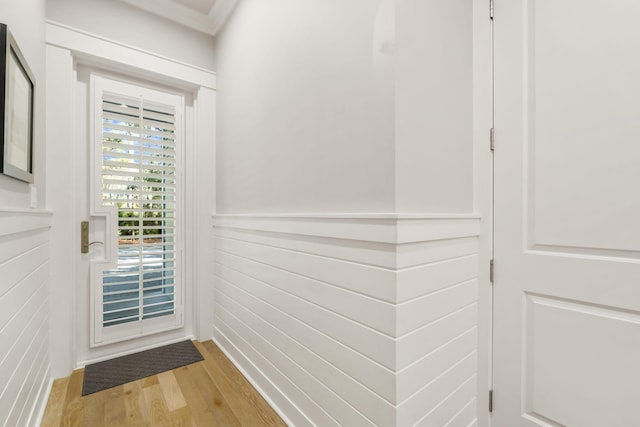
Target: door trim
{"points": [[67, 49], [483, 201]]}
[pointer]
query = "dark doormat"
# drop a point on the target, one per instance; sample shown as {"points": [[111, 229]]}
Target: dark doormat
{"points": [[111, 373]]}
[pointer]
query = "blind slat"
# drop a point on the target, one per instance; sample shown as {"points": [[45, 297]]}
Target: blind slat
{"points": [[134, 134], [151, 147], [149, 114]]}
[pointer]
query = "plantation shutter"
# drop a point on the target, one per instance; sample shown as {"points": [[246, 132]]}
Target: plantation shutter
{"points": [[140, 179]]}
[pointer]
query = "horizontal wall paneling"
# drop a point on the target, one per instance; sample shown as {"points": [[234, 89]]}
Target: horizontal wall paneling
{"points": [[355, 320], [24, 314]]}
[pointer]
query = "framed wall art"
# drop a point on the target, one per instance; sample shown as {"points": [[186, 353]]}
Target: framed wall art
{"points": [[16, 103]]}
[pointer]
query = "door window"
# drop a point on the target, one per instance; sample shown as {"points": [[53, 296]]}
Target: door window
{"points": [[137, 186]]}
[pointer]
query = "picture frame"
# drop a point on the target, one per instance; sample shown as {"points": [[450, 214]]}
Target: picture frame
{"points": [[17, 92]]}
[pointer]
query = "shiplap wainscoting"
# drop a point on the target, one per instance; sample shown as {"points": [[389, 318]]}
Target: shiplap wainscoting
{"points": [[24, 316], [352, 321]]}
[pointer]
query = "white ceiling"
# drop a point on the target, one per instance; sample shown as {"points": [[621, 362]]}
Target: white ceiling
{"points": [[207, 16]]}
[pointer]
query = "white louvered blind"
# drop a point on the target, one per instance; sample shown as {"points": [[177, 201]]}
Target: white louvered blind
{"points": [[139, 178]]}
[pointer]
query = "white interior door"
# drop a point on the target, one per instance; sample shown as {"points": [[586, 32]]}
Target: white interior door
{"points": [[567, 213]]}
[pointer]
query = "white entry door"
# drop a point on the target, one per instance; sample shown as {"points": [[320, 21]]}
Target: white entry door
{"points": [[133, 201], [567, 213], [136, 189]]}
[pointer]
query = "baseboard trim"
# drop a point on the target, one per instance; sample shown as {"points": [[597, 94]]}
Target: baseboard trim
{"points": [[222, 342], [37, 415]]}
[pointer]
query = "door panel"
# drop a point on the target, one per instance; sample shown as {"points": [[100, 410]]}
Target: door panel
{"points": [[582, 110], [567, 235], [572, 356], [136, 187]]}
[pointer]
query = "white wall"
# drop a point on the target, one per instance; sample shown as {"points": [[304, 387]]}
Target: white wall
{"points": [[129, 25], [26, 22], [305, 113], [434, 106], [24, 248], [367, 108]]}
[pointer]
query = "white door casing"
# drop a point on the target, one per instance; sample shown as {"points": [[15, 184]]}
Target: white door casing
{"points": [[567, 210]]}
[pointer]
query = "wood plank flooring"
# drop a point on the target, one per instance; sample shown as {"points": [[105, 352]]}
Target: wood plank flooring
{"points": [[211, 393]]}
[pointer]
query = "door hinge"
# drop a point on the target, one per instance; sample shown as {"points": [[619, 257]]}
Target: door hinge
{"points": [[490, 400], [491, 8], [492, 139], [491, 271]]}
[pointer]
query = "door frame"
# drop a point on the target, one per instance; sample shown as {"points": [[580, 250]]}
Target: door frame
{"points": [[483, 197], [67, 49]]}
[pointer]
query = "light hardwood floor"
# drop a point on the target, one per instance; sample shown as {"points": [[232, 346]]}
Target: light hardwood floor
{"points": [[208, 393]]}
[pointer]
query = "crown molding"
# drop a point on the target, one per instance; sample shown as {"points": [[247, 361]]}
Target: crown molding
{"points": [[205, 23], [220, 12]]}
